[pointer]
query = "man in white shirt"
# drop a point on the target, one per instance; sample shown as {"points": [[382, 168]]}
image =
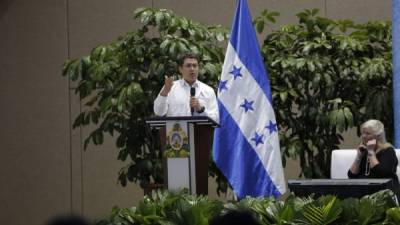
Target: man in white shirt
{"points": [[175, 97]]}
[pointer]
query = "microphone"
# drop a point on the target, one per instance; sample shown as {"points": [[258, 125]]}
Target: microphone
{"points": [[192, 93]]}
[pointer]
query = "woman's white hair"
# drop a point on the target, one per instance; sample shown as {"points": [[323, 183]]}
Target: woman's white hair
{"points": [[377, 128]]}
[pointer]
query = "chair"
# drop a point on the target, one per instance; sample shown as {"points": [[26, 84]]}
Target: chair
{"points": [[342, 159]]}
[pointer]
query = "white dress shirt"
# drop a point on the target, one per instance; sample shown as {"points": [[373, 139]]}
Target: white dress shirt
{"points": [[177, 103]]}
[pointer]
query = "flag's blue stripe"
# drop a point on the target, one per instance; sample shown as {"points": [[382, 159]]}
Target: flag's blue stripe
{"points": [[244, 41], [396, 69], [238, 161]]}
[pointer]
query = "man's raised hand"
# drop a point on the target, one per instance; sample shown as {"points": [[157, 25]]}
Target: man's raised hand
{"points": [[168, 83]]}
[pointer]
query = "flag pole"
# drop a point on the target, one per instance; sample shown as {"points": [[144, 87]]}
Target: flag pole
{"points": [[396, 69]]}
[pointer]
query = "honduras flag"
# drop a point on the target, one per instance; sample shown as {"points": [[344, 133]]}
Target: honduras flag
{"points": [[246, 146], [396, 69]]}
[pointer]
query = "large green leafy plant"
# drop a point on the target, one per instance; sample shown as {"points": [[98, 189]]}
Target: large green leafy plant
{"points": [[180, 208], [326, 76], [119, 81]]}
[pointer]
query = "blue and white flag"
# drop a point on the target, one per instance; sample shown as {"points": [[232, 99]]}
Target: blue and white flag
{"points": [[396, 69], [246, 146]]}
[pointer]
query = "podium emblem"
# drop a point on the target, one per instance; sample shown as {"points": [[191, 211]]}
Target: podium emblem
{"points": [[177, 141]]}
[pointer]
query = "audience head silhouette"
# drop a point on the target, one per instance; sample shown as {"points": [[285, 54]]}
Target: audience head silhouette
{"points": [[235, 217], [68, 220]]}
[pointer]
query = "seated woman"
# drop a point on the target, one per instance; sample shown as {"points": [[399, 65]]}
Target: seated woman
{"points": [[375, 158]]}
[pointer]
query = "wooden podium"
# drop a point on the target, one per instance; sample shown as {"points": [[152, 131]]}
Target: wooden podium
{"points": [[186, 143]]}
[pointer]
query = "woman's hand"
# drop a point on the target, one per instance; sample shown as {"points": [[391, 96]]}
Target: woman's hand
{"points": [[371, 144], [361, 150], [371, 147]]}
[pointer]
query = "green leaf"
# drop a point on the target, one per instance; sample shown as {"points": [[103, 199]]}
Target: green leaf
{"points": [[140, 10], [79, 120], [283, 96], [349, 117], [184, 23], [95, 116], [307, 48], [260, 26], [340, 120], [311, 66], [314, 11], [393, 215], [325, 213], [300, 63], [122, 179], [159, 17]]}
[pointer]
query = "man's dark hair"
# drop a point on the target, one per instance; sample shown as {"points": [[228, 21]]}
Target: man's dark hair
{"points": [[188, 55], [68, 220], [235, 217]]}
